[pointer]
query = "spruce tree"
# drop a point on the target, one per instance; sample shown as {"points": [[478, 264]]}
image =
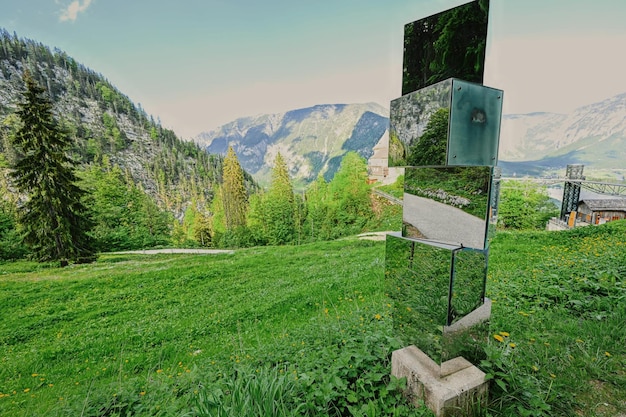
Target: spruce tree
{"points": [[234, 196], [279, 205], [54, 220]]}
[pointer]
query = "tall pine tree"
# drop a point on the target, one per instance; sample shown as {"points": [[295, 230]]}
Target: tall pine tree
{"points": [[53, 218], [234, 196], [279, 205]]}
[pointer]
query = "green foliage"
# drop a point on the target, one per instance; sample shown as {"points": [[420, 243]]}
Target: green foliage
{"points": [[255, 219], [430, 148], [450, 44], [341, 207], [558, 313], [247, 393], [123, 215], [11, 246], [278, 206], [170, 334], [524, 206], [396, 189], [101, 122], [317, 206], [53, 218], [234, 195], [350, 192]]}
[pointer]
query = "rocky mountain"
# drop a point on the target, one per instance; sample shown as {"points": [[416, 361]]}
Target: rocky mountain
{"points": [[594, 135], [312, 140], [107, 127]]}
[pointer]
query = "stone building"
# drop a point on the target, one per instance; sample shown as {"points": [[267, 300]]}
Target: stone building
{"points": [[378, 164]]}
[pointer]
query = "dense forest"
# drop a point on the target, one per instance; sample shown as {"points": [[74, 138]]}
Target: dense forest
{"points": [[142, 185]]}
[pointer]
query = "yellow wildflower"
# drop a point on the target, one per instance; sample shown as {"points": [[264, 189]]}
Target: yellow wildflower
{"points": [[378, 317], [505, 334], [498, 338], [607, 354]]}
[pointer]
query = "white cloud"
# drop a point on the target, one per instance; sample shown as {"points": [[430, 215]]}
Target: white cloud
{"points": [[71, 11]]}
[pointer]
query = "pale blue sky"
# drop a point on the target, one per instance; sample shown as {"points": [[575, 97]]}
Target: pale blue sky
{"points": [[197, 64]]}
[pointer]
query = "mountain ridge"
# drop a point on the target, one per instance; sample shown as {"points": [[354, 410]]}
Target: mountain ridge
{"points": [[106, 126], [311, 139], [532, 143], [593, 134]]}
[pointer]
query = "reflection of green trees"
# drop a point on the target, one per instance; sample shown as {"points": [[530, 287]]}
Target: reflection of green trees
{"points": [[524, 206], [417, 280], [430, 148], [469, 283], [397, 154], [471, 183], [445, 45]]}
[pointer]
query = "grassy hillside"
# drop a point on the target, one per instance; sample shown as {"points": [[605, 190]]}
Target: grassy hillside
{"points": [[170, 334]]}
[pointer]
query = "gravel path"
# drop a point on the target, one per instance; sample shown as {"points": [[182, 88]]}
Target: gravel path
{"points": [[444, 223], [157, 251]]}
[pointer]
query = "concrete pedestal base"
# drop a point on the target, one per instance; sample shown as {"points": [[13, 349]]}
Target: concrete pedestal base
{"points": [[460, 393]]}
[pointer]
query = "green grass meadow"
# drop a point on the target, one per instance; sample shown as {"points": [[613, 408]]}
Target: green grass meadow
{"points": [[303, 330]]}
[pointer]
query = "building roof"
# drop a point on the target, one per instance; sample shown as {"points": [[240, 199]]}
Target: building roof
{"points": [[615, 204]]}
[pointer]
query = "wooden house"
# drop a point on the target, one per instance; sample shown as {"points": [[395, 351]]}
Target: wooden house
{"points": [[598, 211]]}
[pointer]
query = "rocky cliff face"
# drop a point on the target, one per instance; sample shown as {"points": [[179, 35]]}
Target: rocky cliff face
{"points": [[312, 140], [106, 126]]}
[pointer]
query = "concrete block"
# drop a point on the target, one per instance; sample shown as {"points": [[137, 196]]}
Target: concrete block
{"points": [[458, 394]]}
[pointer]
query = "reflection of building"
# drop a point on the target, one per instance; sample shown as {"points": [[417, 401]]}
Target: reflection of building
{"points": [[378, 165], [598, 211]]}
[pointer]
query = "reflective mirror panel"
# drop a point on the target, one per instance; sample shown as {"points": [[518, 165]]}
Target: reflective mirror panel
{"points": [[447, 204], [445, 45], [452, 122], [475, 117], [418, 281], [469, 272], [418, 126], [494, 203]]}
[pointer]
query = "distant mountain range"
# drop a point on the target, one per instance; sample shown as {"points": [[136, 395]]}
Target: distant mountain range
{"points": [[314, 139], [593, 135]]}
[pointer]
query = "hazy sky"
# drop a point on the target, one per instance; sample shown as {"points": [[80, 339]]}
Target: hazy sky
{"points": [[196, 64]]}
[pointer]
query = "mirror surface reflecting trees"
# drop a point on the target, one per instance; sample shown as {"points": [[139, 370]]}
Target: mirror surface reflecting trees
{"points": [[445, 45], [452, 122], [437, 290]]}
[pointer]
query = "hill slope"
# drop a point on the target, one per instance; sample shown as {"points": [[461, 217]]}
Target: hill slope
{"points": [[107, 127], [312, 140]]}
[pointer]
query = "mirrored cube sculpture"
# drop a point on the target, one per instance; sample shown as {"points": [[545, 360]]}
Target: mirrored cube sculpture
{"points": [[453, 122], [494, 203], [436, 290], [449, 204], [444, 45]]}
